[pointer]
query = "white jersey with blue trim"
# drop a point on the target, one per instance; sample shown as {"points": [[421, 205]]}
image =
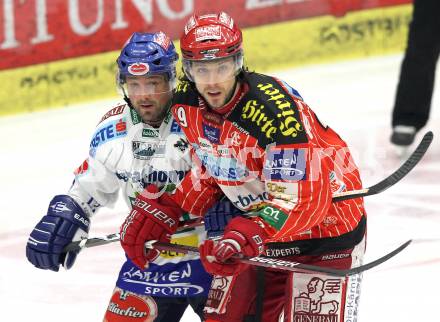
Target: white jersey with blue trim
{"points": [[127, 155]]}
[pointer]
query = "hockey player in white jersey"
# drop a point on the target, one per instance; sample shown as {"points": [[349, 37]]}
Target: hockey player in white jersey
{"points": [[136, 143]]}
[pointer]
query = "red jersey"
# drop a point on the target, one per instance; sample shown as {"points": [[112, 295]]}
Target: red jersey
{"points": [[271, 156]]}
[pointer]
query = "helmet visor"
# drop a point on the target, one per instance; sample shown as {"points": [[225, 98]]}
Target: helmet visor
{"points": [[146, 85], [212, 71]]}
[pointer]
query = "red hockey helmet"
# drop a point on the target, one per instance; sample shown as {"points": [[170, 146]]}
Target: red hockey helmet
{"points": [[211, 37]]}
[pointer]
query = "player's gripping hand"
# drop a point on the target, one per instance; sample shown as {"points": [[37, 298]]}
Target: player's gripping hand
{"points": [[65, 222], [242, 237], [150, 219]]}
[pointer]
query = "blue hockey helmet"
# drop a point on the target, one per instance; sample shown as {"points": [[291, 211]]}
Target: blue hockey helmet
{"points": [[147, 54]]}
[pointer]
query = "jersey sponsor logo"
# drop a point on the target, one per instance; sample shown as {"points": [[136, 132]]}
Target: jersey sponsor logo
{"points": [[352, 297], [238, 127], [219, 294], [285, 164], [269, 113], [205, 144], [287, 191], [190, 240], [289, 125], [222, 168], [273, 216], [175, 127], [275, 188], [255, 113], [336, 185], [167, 280], [211, 133], [108, 132], [150, 133], [126, 306], [182, 145], [316, 298], [220, 150], [149, 175], [249, 200], [148, 150], [114, 111], [135, 118]]}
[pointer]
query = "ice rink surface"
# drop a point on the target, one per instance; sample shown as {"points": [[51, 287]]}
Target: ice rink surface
{"points": [[39, 151]]}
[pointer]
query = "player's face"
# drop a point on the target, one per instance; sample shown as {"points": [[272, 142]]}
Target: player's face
{"points": [[150, 96], [215, 80]]}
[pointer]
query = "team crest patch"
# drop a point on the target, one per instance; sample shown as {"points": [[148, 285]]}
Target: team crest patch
{"points": [[127, 307]]}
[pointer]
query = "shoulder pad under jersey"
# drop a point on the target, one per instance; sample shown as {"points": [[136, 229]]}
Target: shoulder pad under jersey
{"points": [[269, 112], [113, 125]]}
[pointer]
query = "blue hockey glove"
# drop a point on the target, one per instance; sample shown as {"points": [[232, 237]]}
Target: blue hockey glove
{"points": [[218, 217], [65, 222]]}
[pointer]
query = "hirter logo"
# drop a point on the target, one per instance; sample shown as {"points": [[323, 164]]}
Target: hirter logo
{"points": [[138, 69]]}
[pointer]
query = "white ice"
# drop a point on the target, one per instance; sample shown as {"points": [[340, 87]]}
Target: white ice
{"points": [[39, 151]]}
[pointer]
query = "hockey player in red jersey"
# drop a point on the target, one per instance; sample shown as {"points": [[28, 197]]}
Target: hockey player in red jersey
{"points": [[256, 141]]}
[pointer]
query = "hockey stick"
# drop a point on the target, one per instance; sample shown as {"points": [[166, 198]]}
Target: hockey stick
{"points": [[386, 183], [281, 264], [395, 177]]}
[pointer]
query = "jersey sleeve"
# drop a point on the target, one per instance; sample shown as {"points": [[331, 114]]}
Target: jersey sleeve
{"points": [[96, 183], [198, 191]]}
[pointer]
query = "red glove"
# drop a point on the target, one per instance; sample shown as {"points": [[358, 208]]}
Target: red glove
{"points": [[150, 219], [242, 236]]}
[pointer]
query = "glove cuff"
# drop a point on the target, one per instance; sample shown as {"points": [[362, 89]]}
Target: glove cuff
{"points": [[248, 234], [67, 208]]}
